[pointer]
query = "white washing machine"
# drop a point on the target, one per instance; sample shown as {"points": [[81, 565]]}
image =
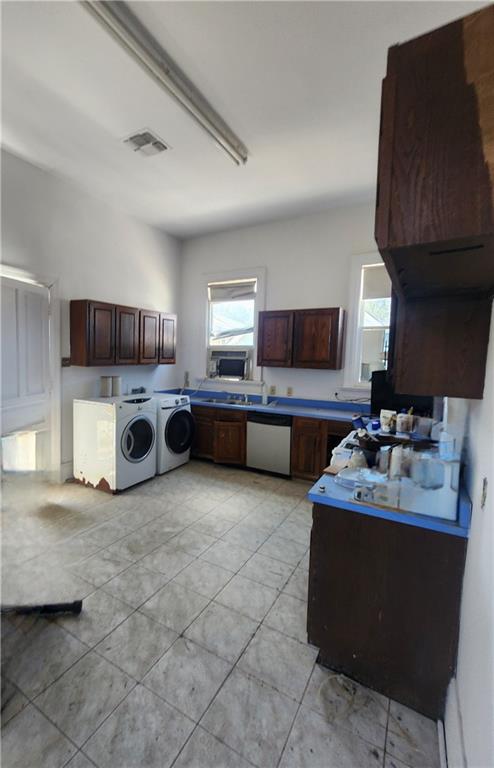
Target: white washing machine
{"points": [[175, 431], [115, 441]]}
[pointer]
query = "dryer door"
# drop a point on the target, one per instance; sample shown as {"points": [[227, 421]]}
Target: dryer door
{"points": [[138, 439], [179, 431]]}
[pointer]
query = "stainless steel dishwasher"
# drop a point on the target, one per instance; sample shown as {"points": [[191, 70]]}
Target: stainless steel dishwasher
{"points": [[268, 442]]}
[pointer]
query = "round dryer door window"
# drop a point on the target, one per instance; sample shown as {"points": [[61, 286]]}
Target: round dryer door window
{"points": [[179, 431], [137, 439]]}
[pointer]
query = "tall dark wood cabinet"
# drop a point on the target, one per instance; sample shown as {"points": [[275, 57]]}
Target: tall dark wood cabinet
{"points": [[435, 201], [318, 338], [275, 338], [384, 604], [168, 338], [301, 338], [92, 332], [127, 335]]}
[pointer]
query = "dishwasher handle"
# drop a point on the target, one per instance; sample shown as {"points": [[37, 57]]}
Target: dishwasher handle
{"points": [[270, 419]]}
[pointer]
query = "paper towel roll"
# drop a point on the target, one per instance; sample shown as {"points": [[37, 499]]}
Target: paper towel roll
{"points": [[116, 383], [105, 386]]}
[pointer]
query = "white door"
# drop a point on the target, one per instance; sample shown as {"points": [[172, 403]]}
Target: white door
{"points": [[26, 390]]}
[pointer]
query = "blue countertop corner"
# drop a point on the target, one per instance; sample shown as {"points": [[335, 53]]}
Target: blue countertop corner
{"points": [[335, 495]]}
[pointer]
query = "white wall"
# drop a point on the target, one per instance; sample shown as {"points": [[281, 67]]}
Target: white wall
{"points": [[51, 228], [475, 671], [308, 262]]}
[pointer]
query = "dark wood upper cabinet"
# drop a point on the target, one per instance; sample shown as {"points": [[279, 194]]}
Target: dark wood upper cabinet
{"points": [[149, 342], [318, 338], [127, 335], [440, 346], [435, 203], [108, 334], [301, 338], [168, 338], [92, 333], [275, 338]]}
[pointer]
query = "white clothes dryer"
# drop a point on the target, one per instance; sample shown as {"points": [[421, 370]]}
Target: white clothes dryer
{"points": [[175, 431], [114, 441]]}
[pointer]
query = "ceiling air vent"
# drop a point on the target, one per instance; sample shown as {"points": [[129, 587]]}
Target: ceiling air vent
{"points": [[146, 143]]}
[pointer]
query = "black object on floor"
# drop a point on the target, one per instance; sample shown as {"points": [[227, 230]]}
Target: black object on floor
{"points": [[48, 608]]}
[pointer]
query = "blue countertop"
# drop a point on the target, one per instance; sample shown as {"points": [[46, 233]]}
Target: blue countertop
{"points": [[286, 406], [335, 495]]}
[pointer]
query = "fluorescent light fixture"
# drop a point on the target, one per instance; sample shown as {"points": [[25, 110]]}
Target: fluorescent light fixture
{"points": [[118, 19]]}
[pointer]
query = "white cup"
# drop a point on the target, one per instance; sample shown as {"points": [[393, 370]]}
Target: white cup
{"points": [[105, 386], [116, 384]]}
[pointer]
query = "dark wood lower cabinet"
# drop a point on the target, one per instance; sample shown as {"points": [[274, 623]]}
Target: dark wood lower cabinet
{"points": [[308, 455], [220, 435], [202, 447], [229, 442], [384, 604], [312, 442]]}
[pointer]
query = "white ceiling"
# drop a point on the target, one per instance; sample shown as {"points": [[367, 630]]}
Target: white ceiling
{"points": [[299, 82]]}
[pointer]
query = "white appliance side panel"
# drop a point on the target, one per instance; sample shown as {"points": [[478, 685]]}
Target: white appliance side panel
{"points": [[268, 447], [94, 444]]}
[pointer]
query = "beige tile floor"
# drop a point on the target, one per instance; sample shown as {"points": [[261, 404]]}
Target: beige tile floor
{"points": [[191, 649]]}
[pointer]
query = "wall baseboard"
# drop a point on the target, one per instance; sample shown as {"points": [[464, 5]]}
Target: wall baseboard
{"points": [[453, 729]]}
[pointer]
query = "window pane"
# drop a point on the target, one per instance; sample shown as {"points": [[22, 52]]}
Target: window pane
{"points": [[374, 355], [231, 323], [376, 312]]}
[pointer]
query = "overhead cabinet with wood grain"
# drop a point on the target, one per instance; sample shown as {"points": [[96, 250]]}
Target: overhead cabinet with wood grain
{"points": [[103, 334], [435, 204], [301, 338]]}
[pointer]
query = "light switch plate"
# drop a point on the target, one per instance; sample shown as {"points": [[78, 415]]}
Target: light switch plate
{"points": [[289, 391]]}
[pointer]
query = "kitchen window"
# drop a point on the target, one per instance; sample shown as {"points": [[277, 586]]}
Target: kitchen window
{"points": [[232, 313], [374, 312]]}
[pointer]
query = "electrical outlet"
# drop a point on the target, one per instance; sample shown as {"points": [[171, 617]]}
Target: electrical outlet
{"points": [[483, 498], [272, 389], [186, 379], [289, 391]]}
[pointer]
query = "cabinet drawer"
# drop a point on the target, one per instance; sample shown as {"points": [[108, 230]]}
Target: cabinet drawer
{"points": [[221, 414]]}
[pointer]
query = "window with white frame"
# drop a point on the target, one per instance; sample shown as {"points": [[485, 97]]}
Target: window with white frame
{"points": [[374, 313], [232, 313]]}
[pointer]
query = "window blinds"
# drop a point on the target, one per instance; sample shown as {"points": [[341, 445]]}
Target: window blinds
{"points": [[234, 290], [376, 282]]}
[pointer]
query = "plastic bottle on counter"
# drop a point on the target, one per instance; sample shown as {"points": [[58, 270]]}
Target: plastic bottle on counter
{"points": [[395, 462]]}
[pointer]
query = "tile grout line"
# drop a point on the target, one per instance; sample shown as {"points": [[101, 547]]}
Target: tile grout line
{"points": [[137, 609]]}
